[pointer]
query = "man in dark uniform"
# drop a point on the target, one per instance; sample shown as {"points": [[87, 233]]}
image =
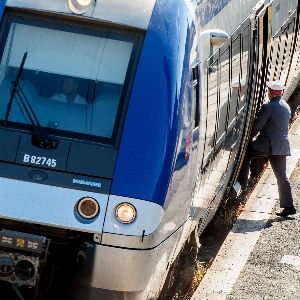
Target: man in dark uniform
{"points": [[272, 142]]}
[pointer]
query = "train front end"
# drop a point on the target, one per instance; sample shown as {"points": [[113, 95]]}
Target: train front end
{"points": [[88, 143]]}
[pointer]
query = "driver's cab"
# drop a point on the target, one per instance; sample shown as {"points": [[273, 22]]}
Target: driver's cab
{"points": [[60, 60]]}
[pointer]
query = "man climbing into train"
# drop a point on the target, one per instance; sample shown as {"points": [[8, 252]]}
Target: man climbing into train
{"points": [[270, 130]]}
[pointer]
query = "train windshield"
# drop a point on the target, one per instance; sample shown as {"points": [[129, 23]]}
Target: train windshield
{"points": [[74, 78]]}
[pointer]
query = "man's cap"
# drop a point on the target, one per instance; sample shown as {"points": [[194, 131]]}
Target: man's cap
{"points": [[275, 85]]}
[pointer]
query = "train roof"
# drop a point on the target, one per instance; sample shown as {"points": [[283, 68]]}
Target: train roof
{"points": [[130, 13]]}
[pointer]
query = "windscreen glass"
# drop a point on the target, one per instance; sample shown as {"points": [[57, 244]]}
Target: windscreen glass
{"points": [[74, 79]]}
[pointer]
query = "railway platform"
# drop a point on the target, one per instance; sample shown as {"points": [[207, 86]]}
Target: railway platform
{"points": [[260, 258]]}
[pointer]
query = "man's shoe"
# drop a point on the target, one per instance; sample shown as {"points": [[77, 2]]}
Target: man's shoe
{"points": [[286, 212]]}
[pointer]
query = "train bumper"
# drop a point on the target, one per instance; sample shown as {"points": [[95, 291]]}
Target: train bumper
{"points": [[118, 269], [124, 256]]}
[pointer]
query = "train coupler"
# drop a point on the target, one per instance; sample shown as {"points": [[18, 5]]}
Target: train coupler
{"points": [[20, 257]]}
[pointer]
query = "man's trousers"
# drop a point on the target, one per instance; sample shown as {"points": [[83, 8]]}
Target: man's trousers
{"points": [[278, 163]]}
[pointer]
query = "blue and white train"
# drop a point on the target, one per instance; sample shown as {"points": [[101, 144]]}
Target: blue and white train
{"points": [[123, 124]]}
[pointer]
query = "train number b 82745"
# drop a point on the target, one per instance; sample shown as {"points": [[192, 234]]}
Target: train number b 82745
{"points": [[39, 160]]}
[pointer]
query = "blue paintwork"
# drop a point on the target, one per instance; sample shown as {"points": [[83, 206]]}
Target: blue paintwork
{"points": [[150, 149], [149, 141], [2, 5]]}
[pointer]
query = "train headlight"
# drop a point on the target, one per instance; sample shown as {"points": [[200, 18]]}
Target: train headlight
{"points": [[125, 213], [80, 6], [88, 207]]}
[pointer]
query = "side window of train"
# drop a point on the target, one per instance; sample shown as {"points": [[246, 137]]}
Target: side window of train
{"points": [[224, 95], [289, 36], [212, 106], [196, 96], [236, 80], [245, 63], [286, 48]]}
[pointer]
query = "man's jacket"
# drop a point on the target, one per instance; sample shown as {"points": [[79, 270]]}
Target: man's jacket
{"points": [[272, 125]]}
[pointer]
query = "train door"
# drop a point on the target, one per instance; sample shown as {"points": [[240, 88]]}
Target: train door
{"points": [[261, 50], [255, 90], [239, 102], [205, 187]]}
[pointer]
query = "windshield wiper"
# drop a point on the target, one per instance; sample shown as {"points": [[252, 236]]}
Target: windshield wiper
{"points": [[14, 88], [40, 139]]}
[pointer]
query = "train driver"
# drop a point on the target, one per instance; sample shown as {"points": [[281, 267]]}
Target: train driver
{"points": [[69, 92]]}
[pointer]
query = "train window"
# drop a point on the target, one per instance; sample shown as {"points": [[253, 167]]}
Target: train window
{"points": [[212, 106], [236, 80], [236, 59], [289, 37], [245, 61], [286, 48], [196, 96], [74, 78], [224, 94], [245, 53]]}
